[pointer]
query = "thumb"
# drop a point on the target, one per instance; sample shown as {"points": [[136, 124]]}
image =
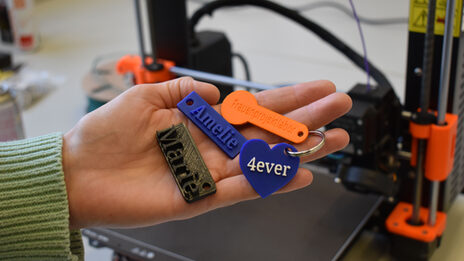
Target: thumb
{"points": [[166, 95]]}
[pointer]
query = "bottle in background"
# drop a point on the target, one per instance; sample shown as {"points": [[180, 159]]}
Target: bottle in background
{"points": [[21, 14]]}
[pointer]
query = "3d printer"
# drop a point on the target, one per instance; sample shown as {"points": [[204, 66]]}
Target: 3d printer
{"points": [[392, 147]]}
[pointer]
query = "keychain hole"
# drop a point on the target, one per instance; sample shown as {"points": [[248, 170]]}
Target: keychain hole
{"points": [[206, 186], [287, 150], [189, 102], [300, 134]]}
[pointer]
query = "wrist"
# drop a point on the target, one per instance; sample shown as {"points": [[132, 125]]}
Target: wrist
{"points": [[69, 177]]}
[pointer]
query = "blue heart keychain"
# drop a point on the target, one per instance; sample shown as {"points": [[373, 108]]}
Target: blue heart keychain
{"points": [[267, 169]]}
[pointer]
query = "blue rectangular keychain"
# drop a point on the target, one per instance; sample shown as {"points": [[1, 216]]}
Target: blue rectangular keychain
{"points": [[212, 124]]}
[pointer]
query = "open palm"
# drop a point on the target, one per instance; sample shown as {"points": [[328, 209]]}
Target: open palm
{"points": [[117, 176]]}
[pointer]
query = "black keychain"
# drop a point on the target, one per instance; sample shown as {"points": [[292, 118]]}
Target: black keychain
{"points": [[186, 164]]}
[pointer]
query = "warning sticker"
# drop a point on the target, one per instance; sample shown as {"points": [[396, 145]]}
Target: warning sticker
{"points": [[418, 16]]}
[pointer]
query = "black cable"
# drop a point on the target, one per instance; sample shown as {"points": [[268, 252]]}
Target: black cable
{"points": [[201, 2], [325, 35], [245, 65], [348, 12], [311, 6]]}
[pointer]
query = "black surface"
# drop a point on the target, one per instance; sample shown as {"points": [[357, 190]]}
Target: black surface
{"points": [[415, 52], [368, 181], [455, 183], [168, 30], [6, 31], [310, 224], [5, 61], [404, 248], [212, 52], [374, 127]]}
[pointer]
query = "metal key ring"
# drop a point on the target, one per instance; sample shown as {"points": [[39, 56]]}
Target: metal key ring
{"points": [[311, 150]]}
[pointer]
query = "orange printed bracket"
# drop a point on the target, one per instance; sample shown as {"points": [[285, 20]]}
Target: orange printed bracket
{"points": [[241, 107]]}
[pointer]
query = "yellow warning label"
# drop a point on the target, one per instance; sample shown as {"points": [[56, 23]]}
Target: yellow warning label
{"points": [[418, 16]]}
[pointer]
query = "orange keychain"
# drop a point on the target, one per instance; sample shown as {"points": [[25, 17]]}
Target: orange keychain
{"points": [[241, 107]]}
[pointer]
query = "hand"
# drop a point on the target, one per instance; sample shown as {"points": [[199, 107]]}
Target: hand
{"points": [[117, 176]]}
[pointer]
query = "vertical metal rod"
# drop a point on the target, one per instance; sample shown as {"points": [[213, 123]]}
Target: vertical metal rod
{"points": [[434, 190], [442, 98], [138, 19], [426, 85], [445, 63], [428, 57], [416, 201]]}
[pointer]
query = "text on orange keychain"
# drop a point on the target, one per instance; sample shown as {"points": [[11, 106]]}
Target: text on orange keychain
{"points": [[241, 107]]}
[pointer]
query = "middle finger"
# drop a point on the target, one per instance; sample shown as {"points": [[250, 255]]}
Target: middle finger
{"points": [[313, 115]]}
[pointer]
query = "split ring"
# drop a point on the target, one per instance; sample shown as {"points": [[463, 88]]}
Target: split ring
{"points": [[311, 150]]}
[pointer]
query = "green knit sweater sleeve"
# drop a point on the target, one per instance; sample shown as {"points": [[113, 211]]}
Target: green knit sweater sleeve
{"points": [[34, 215]]}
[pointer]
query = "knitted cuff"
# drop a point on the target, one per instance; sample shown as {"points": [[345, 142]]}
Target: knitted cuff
{"points": [[34, 215]]}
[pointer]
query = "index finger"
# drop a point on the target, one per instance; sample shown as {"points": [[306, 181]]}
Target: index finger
{"points": [[286, 99]]}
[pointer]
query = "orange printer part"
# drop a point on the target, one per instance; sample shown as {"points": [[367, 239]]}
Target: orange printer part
{"points": [[397, 223], [133, 64], [441, 143]]}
